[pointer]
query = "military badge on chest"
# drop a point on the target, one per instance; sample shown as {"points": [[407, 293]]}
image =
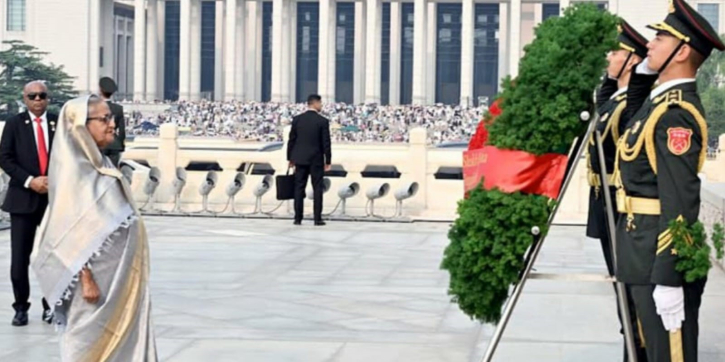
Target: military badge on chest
{"points": [[679, 140]]}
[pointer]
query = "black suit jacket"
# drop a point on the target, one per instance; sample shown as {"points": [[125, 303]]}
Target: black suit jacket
{"points": [[309, 140], [19, 159], [119, 143]]}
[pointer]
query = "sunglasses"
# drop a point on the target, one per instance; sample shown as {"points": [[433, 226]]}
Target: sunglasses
{"points": [[35, 96], [105, 119]]}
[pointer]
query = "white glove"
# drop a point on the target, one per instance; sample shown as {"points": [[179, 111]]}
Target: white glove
{"points": [[670, 302], [643, 68]]}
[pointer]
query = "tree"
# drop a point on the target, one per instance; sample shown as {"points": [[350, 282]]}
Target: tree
{"points": [[23, 63]]}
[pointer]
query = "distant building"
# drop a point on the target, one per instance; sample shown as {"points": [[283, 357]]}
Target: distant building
{"points": [[389, 52]]}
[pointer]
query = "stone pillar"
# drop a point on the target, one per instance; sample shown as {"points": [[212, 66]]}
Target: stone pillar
{"points": [[151, 51], [613, 7], [219, 43], [358, 80], [230, 54], [241, 15], [374, 51], [195, 52], [514, 37], [420, 80], [139, 49], [107, 25], [185, 49], [253, 61], [503, 44], [326, 51], [563, 4], [94, 51], [395, 54], [432, 52], [467, 48], [278, 53], [418, 153], [161, 48], [291, 46], [166, 160]]}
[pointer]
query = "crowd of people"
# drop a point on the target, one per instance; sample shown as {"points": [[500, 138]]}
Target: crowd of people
{"points": [[265, 122]]}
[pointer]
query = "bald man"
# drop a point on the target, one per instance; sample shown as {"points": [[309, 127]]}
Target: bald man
{"points": [[24, 155]]}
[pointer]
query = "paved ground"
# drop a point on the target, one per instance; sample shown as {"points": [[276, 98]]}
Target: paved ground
{"points": [[261, 290]]}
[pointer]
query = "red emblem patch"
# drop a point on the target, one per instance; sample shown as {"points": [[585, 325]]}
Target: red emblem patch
{"points": [[678, 140]]}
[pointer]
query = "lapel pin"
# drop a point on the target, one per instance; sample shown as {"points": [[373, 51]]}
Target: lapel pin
{"points": [[27, 121]]}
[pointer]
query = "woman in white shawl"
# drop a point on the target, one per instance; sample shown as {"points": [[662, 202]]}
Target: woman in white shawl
{"points": [[92, 261]]}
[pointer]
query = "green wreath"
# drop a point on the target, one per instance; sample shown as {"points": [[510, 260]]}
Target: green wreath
{"points": [[557, 76]]}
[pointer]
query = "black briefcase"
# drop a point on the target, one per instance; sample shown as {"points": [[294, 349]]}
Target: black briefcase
{"points": [[285, 186]]}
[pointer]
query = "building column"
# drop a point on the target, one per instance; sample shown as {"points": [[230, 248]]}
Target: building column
{"points": [[467, 49], [219, 43], [95, 42], [254, 51], [161, 49], [241, 15], [395, 55], [151, 51], [374, 51], [326, 52], [563, 4], [420, 68], [280, 86], [431, 51], [503, 44], [291, 46], [139, 49], [107, 39], [184, 49], [230, 54], [195, 52], [514, 34], [613, 7], [358, 80]]}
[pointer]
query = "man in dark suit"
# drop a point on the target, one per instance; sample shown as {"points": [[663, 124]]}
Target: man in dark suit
{"points": [[24, 154], [114, 150], [309, 152]]}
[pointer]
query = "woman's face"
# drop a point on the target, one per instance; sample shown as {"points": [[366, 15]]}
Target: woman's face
{"points": [[100, 124]]}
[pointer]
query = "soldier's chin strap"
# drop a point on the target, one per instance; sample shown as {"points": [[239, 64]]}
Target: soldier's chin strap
{"points": [[621, 71], [672, 56]]}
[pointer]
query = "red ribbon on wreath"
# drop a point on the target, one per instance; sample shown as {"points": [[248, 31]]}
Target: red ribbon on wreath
{"points": [[510, 170]]}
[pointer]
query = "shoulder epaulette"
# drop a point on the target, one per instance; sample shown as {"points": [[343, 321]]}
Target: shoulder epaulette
{"points": [[673, 97]]}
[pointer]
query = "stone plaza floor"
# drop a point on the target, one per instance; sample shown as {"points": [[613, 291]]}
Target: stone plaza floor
{"points": [[266, 291]]}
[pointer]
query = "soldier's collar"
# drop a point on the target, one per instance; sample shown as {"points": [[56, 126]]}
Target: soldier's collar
{"points": [[667, 85], [619, 92]]}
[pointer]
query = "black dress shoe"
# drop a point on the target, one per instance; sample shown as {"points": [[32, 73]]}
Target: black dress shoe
{"points": [[320, 223], [20, 319], [298, 222], [48, 316]]}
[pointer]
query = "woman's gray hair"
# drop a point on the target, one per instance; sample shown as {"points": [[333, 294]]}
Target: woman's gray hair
{"points": [[93, 100]]}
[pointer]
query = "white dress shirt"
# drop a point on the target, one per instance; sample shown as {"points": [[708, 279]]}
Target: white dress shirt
{"points": [[44, 125]]}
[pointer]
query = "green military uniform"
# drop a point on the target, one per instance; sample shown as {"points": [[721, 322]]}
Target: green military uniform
{"points": [[611, 103], [659, 156]]}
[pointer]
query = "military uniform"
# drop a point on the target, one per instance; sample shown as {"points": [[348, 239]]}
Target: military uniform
{"points": [[611, 103], [658, 159]]}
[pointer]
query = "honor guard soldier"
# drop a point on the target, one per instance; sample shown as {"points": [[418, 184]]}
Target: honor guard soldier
{"points": [[658, 158], [611, 100]]}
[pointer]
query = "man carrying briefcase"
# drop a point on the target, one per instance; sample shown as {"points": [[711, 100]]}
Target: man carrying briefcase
{"points": [[309, 152]]}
